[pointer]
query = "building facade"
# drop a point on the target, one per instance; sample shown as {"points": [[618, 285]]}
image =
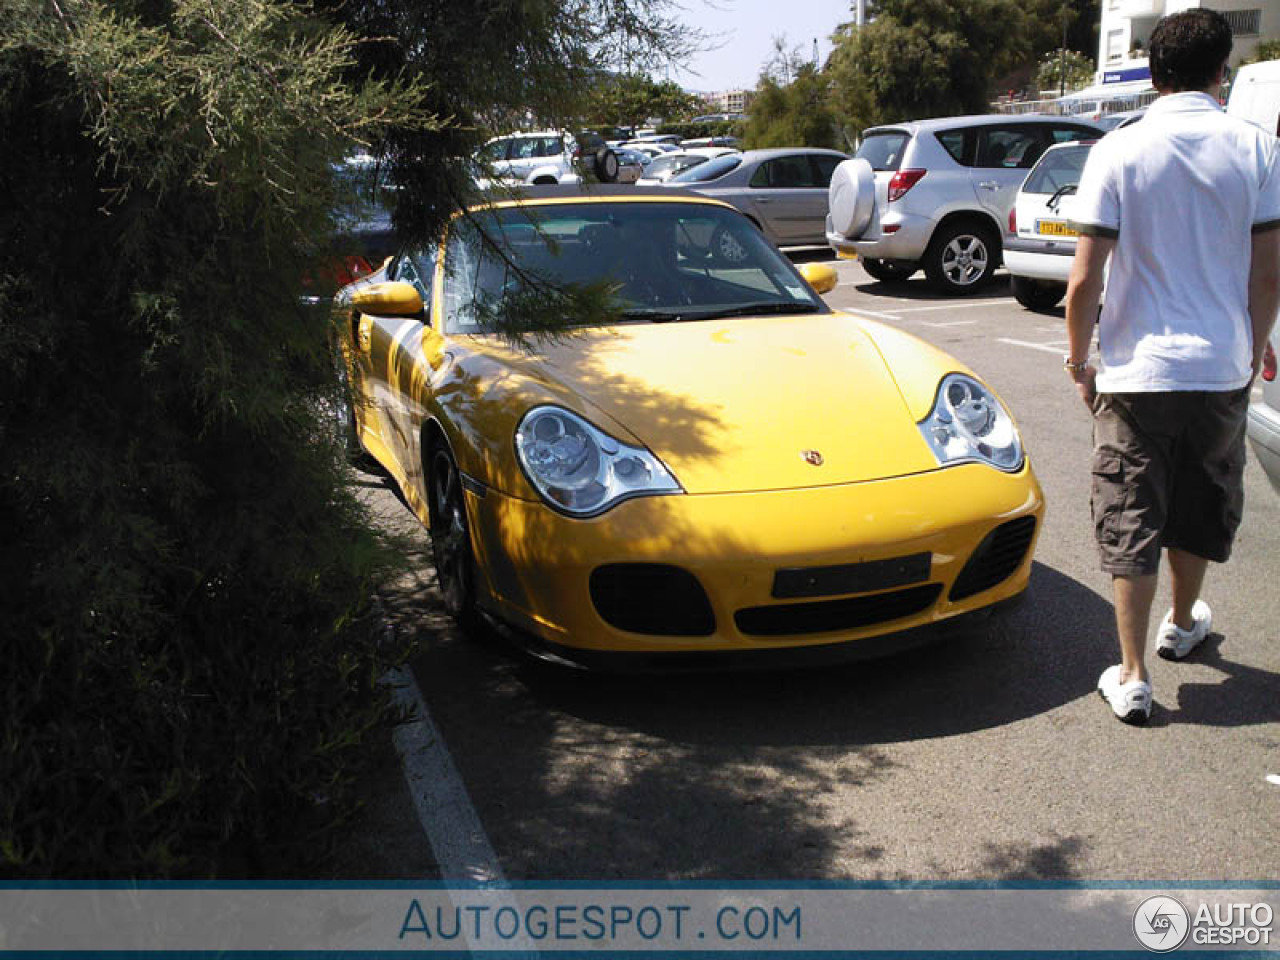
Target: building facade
{"points": [[1127, 24]]}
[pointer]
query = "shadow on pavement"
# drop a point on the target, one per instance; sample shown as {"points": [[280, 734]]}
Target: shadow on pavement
{"points": [[1245, 696], [680, 777]]}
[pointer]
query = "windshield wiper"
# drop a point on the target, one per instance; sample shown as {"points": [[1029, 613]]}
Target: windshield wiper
{"points": [[654, 316], [749, 309]]}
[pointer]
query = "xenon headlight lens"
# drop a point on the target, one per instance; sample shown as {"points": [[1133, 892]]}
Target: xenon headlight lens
{"points": [[969, 424], [581, 470]]}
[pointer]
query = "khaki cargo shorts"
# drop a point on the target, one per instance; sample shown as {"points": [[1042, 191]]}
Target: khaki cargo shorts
{"points": [[1168, 471]]}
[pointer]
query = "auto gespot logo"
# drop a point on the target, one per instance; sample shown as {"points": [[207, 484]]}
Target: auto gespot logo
{"points": [[1161, 924]]}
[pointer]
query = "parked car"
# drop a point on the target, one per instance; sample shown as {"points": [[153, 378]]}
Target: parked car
{"points": [[664, 485], [650, 150], [548, 156], [711, 142], [1041, 240], [1255, 95], [1114, 121], [631, 165], [937, 194], [662, 169], [1264, 416], [782, 191]]}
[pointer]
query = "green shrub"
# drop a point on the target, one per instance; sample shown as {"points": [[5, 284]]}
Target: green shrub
{"points": [[185, 577]]}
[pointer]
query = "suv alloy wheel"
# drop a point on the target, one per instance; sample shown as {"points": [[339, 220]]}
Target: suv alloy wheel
{"points": [[962, 257]]}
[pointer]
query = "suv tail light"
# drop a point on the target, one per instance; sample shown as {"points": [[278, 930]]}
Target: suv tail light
{"points": [[1269, 364], [1013, 220], [903, 181]]}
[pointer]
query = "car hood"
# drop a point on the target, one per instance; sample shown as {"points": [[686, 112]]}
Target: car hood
{"points": [[748, 404]]}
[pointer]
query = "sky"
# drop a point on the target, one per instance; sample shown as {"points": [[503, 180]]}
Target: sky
{"points": [[744, 32]]}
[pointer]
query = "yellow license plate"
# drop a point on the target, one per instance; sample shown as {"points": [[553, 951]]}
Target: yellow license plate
{"points": [[1055, 228]]}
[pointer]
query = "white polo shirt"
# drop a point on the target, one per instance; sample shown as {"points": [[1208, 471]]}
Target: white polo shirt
{"points": [[1180, 191]]}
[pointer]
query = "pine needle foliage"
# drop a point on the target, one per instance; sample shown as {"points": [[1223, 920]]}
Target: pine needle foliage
{"points": [[189, 665]]}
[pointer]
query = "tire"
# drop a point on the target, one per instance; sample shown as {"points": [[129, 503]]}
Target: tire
{"points": [[451, 538], [962, 258], [889, 271], [606, 165], [727, 248], [1038, 295]]}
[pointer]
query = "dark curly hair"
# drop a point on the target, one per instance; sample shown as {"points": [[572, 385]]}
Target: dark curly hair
{"points": [[1186, 49]]}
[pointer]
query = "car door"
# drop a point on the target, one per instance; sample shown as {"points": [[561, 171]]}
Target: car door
{"points": [[787, 198], [1004, 154], [388, 350]]}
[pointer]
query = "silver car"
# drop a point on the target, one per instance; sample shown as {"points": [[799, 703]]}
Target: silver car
{"points": [[782, 191], [936, 194], [1264, 415]]}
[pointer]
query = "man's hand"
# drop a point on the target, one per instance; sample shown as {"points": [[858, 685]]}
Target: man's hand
{"points": [[1086, 385]]}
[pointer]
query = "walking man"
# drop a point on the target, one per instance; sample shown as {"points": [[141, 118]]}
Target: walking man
{"points": [[1186, 204]]}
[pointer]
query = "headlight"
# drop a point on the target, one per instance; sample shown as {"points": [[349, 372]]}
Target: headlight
{"points": [[969, 424], [581, 470]]}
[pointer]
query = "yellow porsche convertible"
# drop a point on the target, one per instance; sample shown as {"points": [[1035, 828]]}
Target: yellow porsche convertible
{"points": [[725, 466]]}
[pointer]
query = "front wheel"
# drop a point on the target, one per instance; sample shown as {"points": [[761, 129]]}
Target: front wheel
{"points": [[962, 258], [889, 271], [451, 539], [1038, 295]]}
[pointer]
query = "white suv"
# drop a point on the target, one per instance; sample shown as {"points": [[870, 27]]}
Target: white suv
{"points": [[548, 156], [936, 194]]}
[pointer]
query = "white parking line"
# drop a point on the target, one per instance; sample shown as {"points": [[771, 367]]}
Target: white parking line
{"points": [[449, 820], [859, 312], [953, 306], [1047, 348], [949, 323]]}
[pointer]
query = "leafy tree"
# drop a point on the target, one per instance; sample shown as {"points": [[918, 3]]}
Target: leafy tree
{"points": [[930, 58], [1266, 50], [185, 576], [630, 99], [797, 114], [1060, 69]]}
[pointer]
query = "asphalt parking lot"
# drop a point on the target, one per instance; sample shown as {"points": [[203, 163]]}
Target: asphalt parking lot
{"points": [[990, 757]]}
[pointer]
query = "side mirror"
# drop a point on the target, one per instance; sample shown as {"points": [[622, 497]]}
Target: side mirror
{"points": [[820, 276], [392, 298]]}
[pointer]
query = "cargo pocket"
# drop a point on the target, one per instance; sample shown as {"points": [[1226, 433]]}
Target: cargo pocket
{"points": [[1109, 495]]}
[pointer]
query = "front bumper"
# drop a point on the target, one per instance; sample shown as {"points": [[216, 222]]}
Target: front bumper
{"points": [[1264, 437], [536, 567]]}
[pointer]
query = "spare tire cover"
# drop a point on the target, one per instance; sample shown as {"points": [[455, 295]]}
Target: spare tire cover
{"points": [[606, 165], [852, 197]]}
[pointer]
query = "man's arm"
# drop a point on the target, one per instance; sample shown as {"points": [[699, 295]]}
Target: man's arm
{"points": [[1264, 289], [1084, 290]]}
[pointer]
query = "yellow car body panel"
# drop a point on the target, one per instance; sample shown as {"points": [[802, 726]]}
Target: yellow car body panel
{"points": [[795, 441]]}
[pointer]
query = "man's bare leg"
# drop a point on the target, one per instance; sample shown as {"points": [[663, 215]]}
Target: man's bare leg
{"points": [[1186, 573], [1133, 598]]}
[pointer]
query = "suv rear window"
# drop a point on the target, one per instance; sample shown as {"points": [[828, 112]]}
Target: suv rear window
{"points": [[1057, 169], [884, 150]]}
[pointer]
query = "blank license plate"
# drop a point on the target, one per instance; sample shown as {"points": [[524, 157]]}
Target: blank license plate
{"points": [[1055, 228]]}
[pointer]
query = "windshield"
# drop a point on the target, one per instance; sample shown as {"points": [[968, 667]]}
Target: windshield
{"points": [[662, 262], [1057, 169], [711, 170]]}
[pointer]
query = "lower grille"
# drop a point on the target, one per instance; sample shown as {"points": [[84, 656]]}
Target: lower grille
{"points": [[999, 554], [830, 615], [652, 598]]}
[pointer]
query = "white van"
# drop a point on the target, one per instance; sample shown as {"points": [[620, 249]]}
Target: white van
{"points": [[1255, 95]]}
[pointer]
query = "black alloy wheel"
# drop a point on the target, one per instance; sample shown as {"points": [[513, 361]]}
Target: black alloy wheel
{"points": [[451, 538]]}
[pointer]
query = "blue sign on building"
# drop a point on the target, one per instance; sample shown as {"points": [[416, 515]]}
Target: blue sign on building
{"points": [[1126, 76]]}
